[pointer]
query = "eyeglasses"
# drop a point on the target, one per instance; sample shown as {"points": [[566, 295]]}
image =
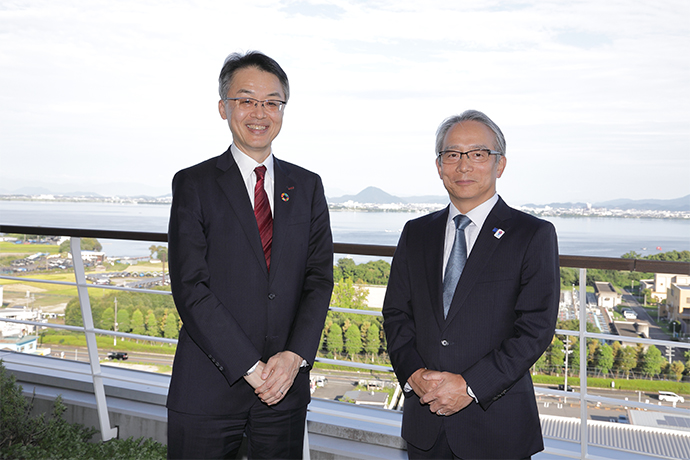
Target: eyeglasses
{"points": [[450, 157], [246, 103]]}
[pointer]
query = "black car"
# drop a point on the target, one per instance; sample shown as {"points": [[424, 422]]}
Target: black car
{"points": [[117, 355], [562, 387]]}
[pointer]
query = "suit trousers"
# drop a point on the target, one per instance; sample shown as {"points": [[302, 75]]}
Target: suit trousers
{"points": [[271, 434], [440, 450]]}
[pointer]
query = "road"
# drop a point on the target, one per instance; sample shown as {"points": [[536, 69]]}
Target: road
{"points": [[655, 332]]}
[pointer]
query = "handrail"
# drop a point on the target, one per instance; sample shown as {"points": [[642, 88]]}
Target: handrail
{"points": [[603, 263], [580, 262]]}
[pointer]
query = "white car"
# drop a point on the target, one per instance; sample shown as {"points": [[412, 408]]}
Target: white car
{"points": [[629, 314], [670, 397]]}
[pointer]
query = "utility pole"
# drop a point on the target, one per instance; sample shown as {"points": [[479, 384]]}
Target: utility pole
{"points": [[115, 324]]}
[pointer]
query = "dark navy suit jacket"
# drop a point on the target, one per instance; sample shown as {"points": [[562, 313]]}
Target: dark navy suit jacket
{"points": [[501, 320], [234, 311]]}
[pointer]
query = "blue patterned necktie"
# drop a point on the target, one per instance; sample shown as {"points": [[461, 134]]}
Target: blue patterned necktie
{"points": [[456, 262]]}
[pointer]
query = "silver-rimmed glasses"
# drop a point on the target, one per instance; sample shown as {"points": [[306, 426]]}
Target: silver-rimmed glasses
{"points": [[270, 105]]}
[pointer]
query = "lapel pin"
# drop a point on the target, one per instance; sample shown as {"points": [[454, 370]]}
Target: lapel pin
{"points": [[291, 188], [284, 196], [498, 233]]}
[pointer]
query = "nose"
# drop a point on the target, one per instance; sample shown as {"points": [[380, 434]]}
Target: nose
{"points": [[259, 110], [464, 163]]}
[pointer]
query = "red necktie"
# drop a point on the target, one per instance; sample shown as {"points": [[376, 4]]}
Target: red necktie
{"points": [[262, 212]]}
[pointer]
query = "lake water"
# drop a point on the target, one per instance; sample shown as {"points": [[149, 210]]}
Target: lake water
{"points": [[586, 236]]}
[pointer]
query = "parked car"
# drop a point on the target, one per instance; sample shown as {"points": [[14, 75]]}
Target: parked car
{"points": [[629, 314], [670, 397], [562, 387], [117, 355]]}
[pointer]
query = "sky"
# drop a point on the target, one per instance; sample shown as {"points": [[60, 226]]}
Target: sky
{"points": [[115, 97]]}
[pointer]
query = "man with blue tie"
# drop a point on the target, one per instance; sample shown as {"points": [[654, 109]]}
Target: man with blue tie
{"points": [[471, 304], [251, 270]]}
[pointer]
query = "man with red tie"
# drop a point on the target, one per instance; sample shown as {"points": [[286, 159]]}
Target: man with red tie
{"points": [[251, 258]]}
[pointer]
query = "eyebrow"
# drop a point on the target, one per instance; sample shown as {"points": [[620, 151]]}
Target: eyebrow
{"points": [[471, 147], [251, 93]]}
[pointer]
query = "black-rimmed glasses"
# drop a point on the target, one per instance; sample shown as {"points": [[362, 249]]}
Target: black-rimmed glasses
{"points": [[450, 157]]}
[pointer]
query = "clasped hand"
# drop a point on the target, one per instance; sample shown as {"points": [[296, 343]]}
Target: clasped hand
{"points": [[444, 392], [272, 380]]}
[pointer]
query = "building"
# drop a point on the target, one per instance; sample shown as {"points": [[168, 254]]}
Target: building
{"points": [[607, 297], [25, 344], [678, 305], [662, 283], [20, 313]]}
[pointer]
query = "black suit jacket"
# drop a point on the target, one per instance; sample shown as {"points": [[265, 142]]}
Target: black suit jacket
{"points": [[501, 320], [234, 311]]}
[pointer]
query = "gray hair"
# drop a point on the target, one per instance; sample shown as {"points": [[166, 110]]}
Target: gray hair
{"points": [[237, 61], [474, 115]]}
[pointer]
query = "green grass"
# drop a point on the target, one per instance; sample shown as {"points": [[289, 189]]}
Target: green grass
{"points": [[28, 249], [106, 343], [621, 383]]}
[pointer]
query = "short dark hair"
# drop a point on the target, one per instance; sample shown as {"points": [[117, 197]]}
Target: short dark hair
{"points": [[474, 115], [237, 61]]}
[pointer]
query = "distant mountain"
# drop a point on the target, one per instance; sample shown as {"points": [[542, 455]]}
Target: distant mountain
{"points": [[374, 195]]}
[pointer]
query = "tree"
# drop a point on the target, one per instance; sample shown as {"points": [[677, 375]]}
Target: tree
{"points": [[627, 360], [170, 329], [152, 324], [604, 358], [86, 244], [676, 370], [334, 341], [123, 324], [108, 319], [372, 343], [652, 361], [137, 323], [353, 341], [557, 356]]}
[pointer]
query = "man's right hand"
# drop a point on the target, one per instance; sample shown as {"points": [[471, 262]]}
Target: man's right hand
{"points": [[419, 385], [254, 379]]}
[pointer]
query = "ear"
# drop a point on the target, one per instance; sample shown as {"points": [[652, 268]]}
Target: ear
{"points": [[501, 166], [221, 109], [439, 167]]}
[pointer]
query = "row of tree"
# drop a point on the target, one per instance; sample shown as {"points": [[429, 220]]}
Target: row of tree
{"points": [[608, 360], [137, 313]]}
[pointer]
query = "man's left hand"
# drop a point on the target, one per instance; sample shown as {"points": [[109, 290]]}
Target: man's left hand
{"points": [[450, 396], [279, 374]]}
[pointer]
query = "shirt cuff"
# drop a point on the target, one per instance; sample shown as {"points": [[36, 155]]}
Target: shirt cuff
{"points": [[471, 394], [252, 369]]}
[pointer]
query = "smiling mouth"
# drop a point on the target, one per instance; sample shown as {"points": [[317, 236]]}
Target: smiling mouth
{"points": [[257, 127]]}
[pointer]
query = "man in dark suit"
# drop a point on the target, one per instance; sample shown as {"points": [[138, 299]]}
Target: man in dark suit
{"points": [[251, 268], [471, 304]]}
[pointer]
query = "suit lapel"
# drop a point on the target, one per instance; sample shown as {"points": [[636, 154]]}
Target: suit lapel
{"points": [[284, 189], [433, 261], [232, 184], [483, 249]]}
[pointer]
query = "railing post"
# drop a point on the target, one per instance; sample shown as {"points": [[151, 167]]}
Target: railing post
{"points": [[99, 391], [584, 441]]}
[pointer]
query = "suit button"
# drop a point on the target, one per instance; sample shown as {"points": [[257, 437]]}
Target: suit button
{"points": [[444, 343], [271, 296], [221, 368]]}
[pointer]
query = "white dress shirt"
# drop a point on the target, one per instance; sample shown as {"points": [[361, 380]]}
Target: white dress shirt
{"points": [[247, 165]]}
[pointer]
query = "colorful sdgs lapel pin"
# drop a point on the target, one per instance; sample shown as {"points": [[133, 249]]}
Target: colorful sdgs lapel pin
{"points": [[498, 233], [284, 196]]}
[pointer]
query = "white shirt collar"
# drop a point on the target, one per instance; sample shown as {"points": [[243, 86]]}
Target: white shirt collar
{"points": [[478, 214], [247, 164]]}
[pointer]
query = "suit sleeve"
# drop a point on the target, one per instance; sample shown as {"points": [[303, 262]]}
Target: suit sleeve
{"points": [[207, 321], [398, 317], [536, 309], [318, 281]]}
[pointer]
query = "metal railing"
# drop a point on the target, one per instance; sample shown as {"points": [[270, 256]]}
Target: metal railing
{"points": [[580, 262]]}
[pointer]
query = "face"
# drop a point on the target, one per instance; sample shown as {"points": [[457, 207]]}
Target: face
{"points": [[469, 185], [253, 129]]}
